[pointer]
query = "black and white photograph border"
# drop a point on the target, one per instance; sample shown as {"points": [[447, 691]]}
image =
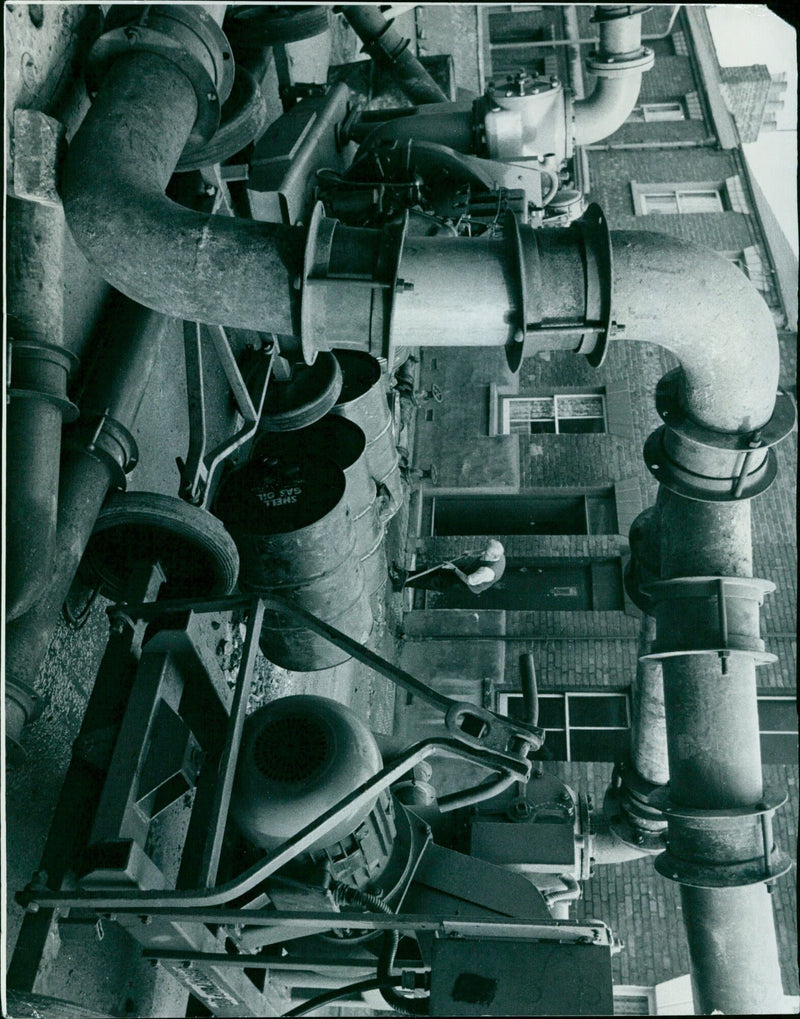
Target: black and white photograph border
{"points": [[399, 510]]}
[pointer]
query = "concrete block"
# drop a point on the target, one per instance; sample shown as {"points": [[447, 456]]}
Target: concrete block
{"points": [[38, 146]]}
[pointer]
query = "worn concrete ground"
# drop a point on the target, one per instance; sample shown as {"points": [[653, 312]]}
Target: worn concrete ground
{"points": [[102, 970]]}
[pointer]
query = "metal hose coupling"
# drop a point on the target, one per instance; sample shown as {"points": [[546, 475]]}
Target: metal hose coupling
{"points": [[701, 463], [187, 36]]}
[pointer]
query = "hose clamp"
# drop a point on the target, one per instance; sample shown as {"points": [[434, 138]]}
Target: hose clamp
{"points": [[186, 36]]}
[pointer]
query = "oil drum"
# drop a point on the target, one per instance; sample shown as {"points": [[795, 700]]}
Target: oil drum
{"points": [[363, 400], [343, 442], [291, 522]]}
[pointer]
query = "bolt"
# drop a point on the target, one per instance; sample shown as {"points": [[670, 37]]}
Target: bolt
{"points": [[211, 97], [210, 190], [131, 33], [146, 920]]}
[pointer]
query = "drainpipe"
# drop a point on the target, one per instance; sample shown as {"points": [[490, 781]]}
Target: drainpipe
{"points": [[37, 397], [618, 63], [100, 452], [386, 45]]}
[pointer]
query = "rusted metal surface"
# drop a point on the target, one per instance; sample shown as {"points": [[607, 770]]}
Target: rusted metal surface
{"points": [[194, 266], [291, 521]]}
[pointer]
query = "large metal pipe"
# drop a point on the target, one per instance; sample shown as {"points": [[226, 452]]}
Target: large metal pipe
{"points": [[37, 397], [721, 330], [618, 62], [385, 44], [116, 384], [715, 766], [194, 266]]}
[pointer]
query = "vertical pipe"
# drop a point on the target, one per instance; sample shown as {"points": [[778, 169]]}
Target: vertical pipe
{"points": [[383, 42], [37, 402], [715, 764], [648, 742], [86, 478]]}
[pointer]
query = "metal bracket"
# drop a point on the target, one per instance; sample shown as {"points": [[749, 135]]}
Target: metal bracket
{"points": [[199, 468]]}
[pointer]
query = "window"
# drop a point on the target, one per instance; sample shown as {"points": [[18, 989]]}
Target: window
{"points": [[560, 414], [777, 720], [536, 511], [579, 726], [675, 202], [652, 113], [584, 726]]}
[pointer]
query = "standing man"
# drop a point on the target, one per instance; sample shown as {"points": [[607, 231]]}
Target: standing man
{"points": [[479, 572]]}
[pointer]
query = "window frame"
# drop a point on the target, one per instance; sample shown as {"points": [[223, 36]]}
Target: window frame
{"points": [[503, 696], [649, 112], [507, 400], [640, 193]]}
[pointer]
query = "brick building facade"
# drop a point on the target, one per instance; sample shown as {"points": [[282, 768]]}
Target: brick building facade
{"points": [[550, 461]]}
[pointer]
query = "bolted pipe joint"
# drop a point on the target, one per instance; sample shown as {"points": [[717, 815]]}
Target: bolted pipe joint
{"points": [[728, 848], [630, 811], [704, 464], [709, 616], [187, 36]]}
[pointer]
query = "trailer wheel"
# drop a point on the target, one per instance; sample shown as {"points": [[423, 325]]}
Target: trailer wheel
{"points": [[197, 554]]}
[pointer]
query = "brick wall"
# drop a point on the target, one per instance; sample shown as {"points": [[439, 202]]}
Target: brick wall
{"points": [[594, 650]]}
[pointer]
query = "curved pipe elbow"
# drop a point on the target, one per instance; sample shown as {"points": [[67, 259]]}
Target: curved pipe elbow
{"points": [[177, 261], [606, 109], [700, 306]]}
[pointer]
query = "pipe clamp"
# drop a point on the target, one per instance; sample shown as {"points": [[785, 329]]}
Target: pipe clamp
{"points": [[699, 463], [105, 439], [725, 848], [39, 371], [620, 65], [707, 616], [186, 36]]}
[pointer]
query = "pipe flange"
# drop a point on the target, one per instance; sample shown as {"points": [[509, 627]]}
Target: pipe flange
{"points": [[186, 36], [709, 615], [610, 12], [39, 371], [242, 118], [599, 277], [313, 296], [515, 348], [749, 481], [620, 65], [671, 412], [629, 809], [105, 439], [744, 835]]}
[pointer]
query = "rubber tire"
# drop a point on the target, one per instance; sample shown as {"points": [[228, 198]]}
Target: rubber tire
{"points": [[254, 26], [199, 556]]}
